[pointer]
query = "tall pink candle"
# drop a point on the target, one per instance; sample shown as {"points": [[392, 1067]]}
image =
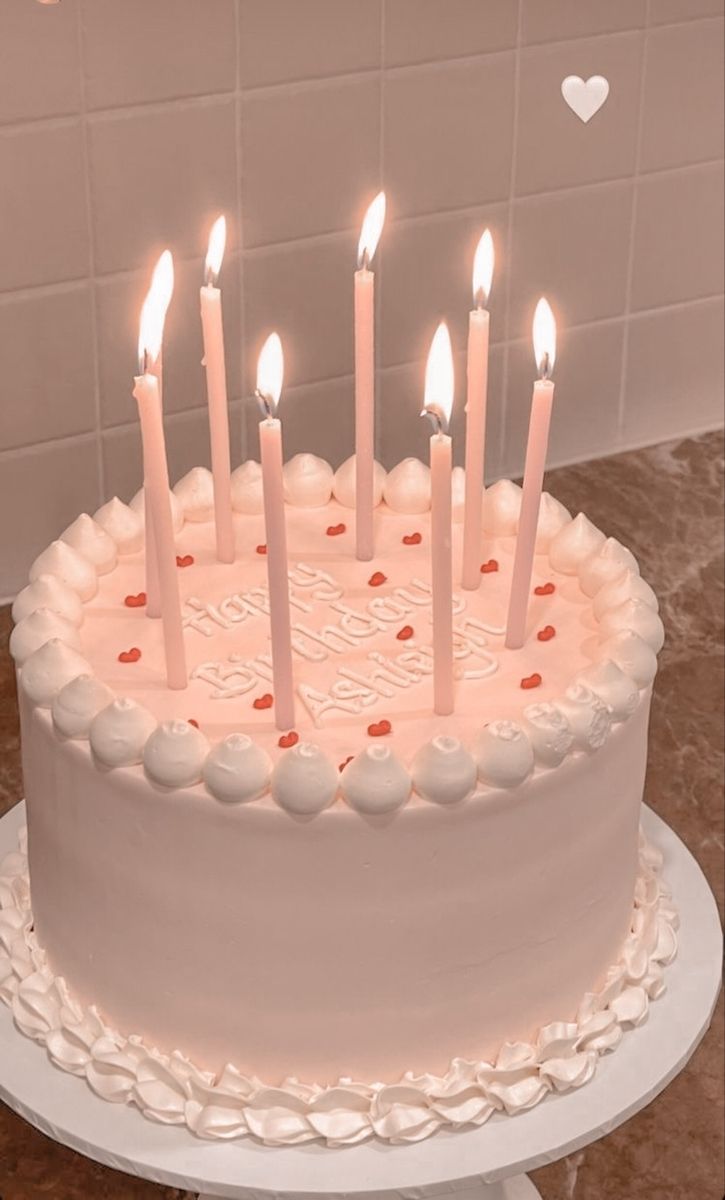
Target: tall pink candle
{"points": [[159, 294], [365, 379], [437, 406], [477, 389], [539, 422], [216, 386], [269, 387]]}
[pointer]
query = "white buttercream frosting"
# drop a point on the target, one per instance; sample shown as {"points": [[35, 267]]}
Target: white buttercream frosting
{"points": [[92, 541], [618, 691], [607, 563], [38, 628], [122, 524], [407, 487], [69, 566], [502, 508], [47, 591], [629, 586], [304, 781], [76, 704], [237, 769], [343, 484], [195, 493], [504, 754], [637, 616], [119, 732], [49, 669], [552, 518], [375, 781], [247, 490], [443, 771], [573, 543], [170, 1089], [549, 733], [137, 505], [174, 754], [307, 481], [632, 654], [588, 717]]}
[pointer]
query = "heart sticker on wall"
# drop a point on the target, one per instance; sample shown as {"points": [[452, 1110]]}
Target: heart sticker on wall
{"points": [[585, 98]]}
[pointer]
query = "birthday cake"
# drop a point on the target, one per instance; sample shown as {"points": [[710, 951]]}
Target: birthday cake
{"points": [[378, 922]]}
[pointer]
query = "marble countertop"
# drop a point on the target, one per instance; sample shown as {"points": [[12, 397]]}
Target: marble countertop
{"points": [[665, 502]]}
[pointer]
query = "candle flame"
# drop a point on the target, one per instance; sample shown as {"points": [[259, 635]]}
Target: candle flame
{"points": [[439, 381], [483, 261], [154, 309], [270, 372], [544, 338], [372, 227], [215, 252]]}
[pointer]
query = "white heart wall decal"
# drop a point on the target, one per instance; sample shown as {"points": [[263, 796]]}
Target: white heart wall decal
{"points": [[585, 98]]}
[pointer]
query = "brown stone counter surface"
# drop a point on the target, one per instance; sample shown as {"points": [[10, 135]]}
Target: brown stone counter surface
{"points": [[666, 503]]}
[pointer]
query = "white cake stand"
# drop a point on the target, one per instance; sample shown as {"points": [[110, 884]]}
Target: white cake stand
{"points": [[481, 1164]]}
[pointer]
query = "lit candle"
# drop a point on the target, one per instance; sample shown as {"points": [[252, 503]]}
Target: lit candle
{"points": [[477, 383], [437, 406], [365, 378], [270, 369], [162, 287], [216, 387], [156, 484], [539, 421]]}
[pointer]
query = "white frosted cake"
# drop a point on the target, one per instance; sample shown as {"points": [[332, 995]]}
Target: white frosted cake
{"points": [[379, 922]]}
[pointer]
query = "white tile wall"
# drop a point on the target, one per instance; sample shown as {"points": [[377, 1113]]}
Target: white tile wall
{"points": [[126, 126]]}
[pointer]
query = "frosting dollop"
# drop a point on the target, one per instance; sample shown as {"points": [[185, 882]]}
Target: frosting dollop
{"points": [[629, 586], [195, 493], [632, 655], [552, 518], [607, 563], [637, 616], [67, 565], [38, 628], [407, 487], [137, 505], [307, 481], [122, 524], [573, 543], [174, 754], [247, 490], [375, 781], [343, 484], [76, 704], [119, 732], [613, 686], [501, 508], [588, 717], [304, 780], [49, 669], [91, 540], [549, 732], [443, 771], [504, 754], [237, 769], [48, 592]]}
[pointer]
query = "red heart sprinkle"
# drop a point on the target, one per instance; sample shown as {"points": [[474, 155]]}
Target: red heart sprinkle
{"points": [[488, 567], [193, 721], [335, 530], [288, 739], [406, 632], [344, 764], [379, 728], [265, 701], [135, 601], [132, 655], [531, 681], [546, 634], [261, 549], [412, 539], [376, 579], [545, 589], [184, 560]]}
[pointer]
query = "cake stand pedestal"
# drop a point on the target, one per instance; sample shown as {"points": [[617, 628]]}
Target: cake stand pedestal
{"points": [[478, 1164]]}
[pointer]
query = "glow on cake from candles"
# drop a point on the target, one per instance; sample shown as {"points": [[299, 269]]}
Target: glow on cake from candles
{"points": [[216, 386], [156, 474], [437, 406], [159, 294], [372, 227], [477, 389], [544, 337], [270, 372]]}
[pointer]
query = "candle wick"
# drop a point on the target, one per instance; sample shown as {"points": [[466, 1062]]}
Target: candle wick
{"points": [[363, 261], [437, 418], [480, 299], [266, 404], [545, 366]]}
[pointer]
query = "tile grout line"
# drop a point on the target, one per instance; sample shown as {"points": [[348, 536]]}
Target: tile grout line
{"points": [[239, 163], [503, 399]]}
